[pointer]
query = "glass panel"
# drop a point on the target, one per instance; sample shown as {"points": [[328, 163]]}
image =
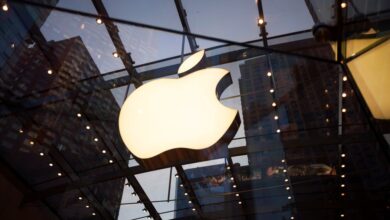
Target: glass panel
{"points": [[74, 204], [85, 6], [277, 15], [158, 13], [133, 211], [155, 184], [365, 25], [221, 18], [322, 11], [242, 160], [31, 143], [67, 28], [158, 179], [370, 71], [204, 163], [130, 207], [156, 46], [119, 93], [310, 155], [108, 194], [209, 183]]}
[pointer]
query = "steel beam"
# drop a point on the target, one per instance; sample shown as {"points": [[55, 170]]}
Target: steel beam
{"points": [[37, 36], [113, 32], [184, 22], [340, 27], [191, 193], [122, 162], [100, 84], [263, 31], [235, 176], [238, 151]]}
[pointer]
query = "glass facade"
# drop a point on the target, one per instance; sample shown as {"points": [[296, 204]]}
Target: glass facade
{"points": [[310, 81]]}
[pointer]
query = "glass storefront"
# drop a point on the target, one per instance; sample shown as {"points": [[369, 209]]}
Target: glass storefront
{"points": [[310, 81]]}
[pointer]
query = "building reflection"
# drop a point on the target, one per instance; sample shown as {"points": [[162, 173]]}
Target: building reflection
{"points": [[51, 118], [297, 172]]}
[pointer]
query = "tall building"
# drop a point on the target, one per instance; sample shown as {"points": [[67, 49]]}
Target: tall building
{"points": [[291, 108], [47, 81], [295, 170], [310, 145]]}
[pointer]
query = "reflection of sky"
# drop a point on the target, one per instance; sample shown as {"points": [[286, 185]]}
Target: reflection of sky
{"points": [[155, 184], [237, 20], [228, 19], [145, 45], [159, 13], [286, 16], [221, 18], [148, 45]]}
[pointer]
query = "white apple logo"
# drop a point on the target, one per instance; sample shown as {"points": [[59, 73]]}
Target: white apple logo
{"points": [[167, 114]]}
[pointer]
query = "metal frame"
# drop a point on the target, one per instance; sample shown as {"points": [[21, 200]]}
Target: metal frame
{"points": [[237, 151], [113, 31], [191, 193], [184, 22], [64, 165], [147, 75], [142, 25], [125, 80], [129, 173], [37, 36], [263, 31]]}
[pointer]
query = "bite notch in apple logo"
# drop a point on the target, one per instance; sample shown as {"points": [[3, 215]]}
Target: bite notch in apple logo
{"points": [[167, 122]]}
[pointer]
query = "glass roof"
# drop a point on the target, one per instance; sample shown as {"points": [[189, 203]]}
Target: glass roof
{"points": [[307, 147]]}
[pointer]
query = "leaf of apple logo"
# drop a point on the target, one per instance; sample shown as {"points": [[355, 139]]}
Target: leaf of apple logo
{"points": [[179, 114]]}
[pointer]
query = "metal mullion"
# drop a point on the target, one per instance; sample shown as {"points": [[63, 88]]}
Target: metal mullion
{"points": [[113, 32], [184, 22], [263, 31], [188, 187]]}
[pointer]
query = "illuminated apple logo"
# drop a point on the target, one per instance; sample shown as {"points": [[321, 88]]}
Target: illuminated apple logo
{"points": [[168, 114]]}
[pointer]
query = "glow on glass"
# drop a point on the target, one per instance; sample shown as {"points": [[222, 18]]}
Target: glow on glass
{"points": [[370, 72]]}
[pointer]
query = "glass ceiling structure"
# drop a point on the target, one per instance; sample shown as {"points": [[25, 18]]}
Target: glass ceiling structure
{"points": [[310, 81]]}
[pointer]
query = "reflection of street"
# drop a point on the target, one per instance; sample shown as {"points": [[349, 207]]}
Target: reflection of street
{"points": [[216, 181], [302, 170], [210, 183], [221, 179]]}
